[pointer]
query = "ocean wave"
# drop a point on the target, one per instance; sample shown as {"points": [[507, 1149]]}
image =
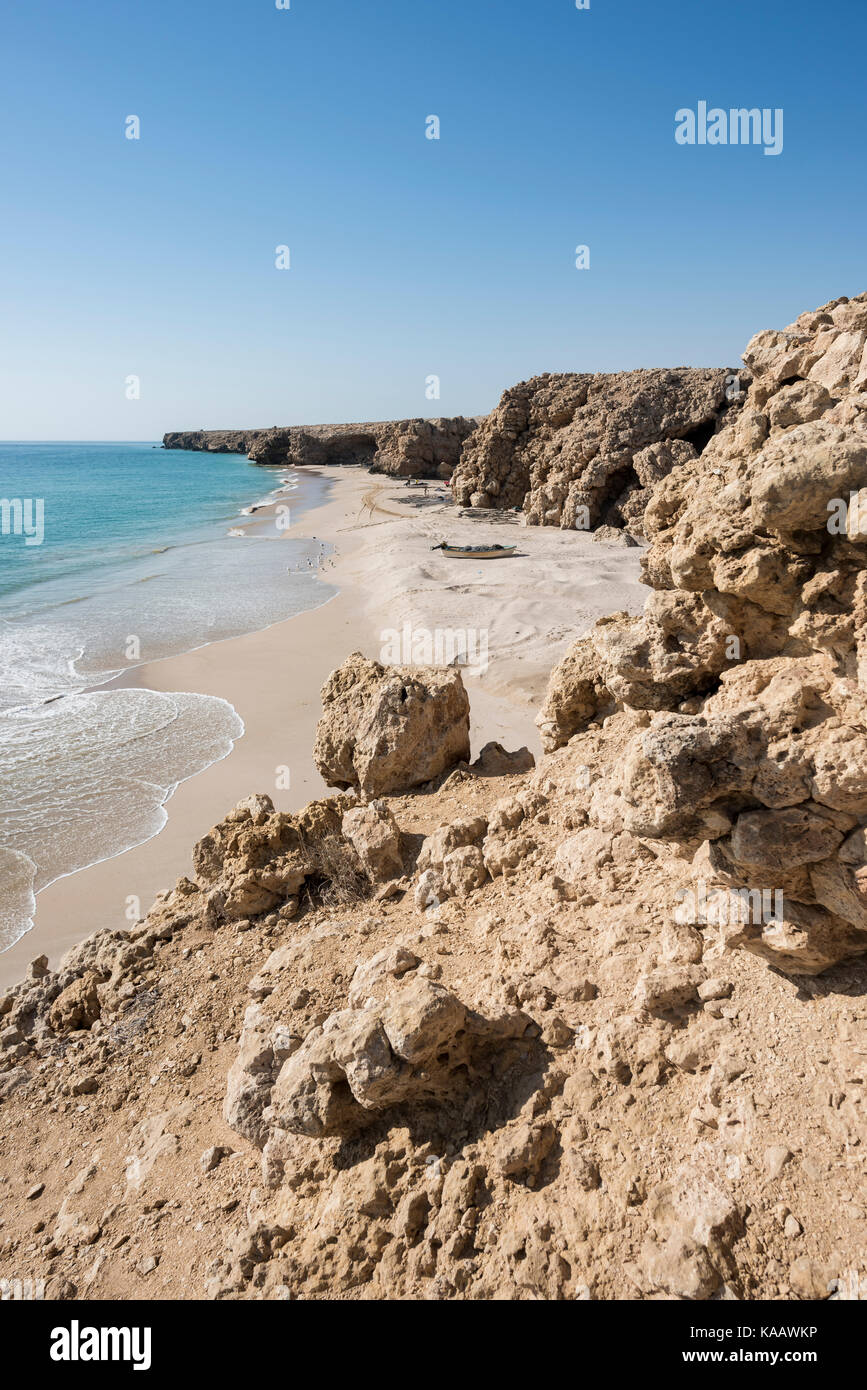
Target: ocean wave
{"points": [[107, 762], [17, 898], [35, 667]]}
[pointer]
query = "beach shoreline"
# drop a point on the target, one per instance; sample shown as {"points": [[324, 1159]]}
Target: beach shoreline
{"points": [[375, 538]]}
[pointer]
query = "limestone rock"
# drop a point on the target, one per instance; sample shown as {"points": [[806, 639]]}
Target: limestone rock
{"points": [[256, 860], [374, 979], [495, 761], [401, 448], [750, 657], [413, 1047], [575, 450], [386, 729], [668, 986], [451, 862], [521, 1150], [374, 834], [250, 1078], [77, 1006], [575, 695]]}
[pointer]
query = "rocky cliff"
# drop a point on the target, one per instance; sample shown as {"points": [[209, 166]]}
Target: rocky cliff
{"points": [[744, 680], [585, 450], [212, 441], [400, 448]]}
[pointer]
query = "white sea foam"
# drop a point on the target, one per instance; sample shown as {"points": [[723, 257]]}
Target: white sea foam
{"points": [[35, 666], [85, 773], [86, 777], [17, 898]]}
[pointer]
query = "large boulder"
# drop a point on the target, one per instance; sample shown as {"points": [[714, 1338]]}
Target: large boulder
{"points": [[257, 859], [388, 728], [77, 1006]]}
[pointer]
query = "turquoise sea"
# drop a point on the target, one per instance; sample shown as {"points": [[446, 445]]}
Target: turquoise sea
{"points": [[112, 555]]}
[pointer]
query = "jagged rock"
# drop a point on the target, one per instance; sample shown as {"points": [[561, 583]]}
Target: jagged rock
{"points": [[458, 833], [250, 1078], [668, 986], [451, 862], [462, 871], [374, 979], [610, 535], [386, 729], [695, 1207], [750, 655], [629, 1050], [500, 854], [11, 1080], [679, 1267], [77, 1006], [213, 1157], [256, 860], [362, 1061], [582, 854], [374, 834], [494, 761], [521, 1150], [576, 693], [580, 450], [429, 890]]}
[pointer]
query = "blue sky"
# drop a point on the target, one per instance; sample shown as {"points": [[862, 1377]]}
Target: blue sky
{"points": [[409, 257]]}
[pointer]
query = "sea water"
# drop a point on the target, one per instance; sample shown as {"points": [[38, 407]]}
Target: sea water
{"points": [[145, 553]]}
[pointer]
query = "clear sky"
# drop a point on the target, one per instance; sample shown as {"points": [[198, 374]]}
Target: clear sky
{"points": [[410, 257]]}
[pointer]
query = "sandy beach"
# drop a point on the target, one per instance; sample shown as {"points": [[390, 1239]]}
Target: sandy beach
{"points": [[523, 611]]}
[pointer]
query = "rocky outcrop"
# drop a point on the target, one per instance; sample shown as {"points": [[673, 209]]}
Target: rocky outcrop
{"points": [[257, 860], [419, 1046], [464, 854], [374, 834], [388, 728], [749, 661], [584, 450], [212, 441], [401, 448]]}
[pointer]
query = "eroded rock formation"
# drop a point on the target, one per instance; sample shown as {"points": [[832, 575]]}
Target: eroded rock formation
{"points": [[749, 660], [401, 448], [582, 451], [387, 728]]}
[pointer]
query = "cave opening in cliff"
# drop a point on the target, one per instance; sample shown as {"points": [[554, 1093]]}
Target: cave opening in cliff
{"points": [[701, 435], [357, 449]]}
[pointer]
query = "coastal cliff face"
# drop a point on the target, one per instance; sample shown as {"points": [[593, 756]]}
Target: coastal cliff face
{"points": [[585, 450], [513, 1033], [745, 680], [399, 448], [211, 441]]}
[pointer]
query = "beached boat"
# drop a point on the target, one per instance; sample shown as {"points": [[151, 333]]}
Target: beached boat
{"points": [[475, 552]]}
